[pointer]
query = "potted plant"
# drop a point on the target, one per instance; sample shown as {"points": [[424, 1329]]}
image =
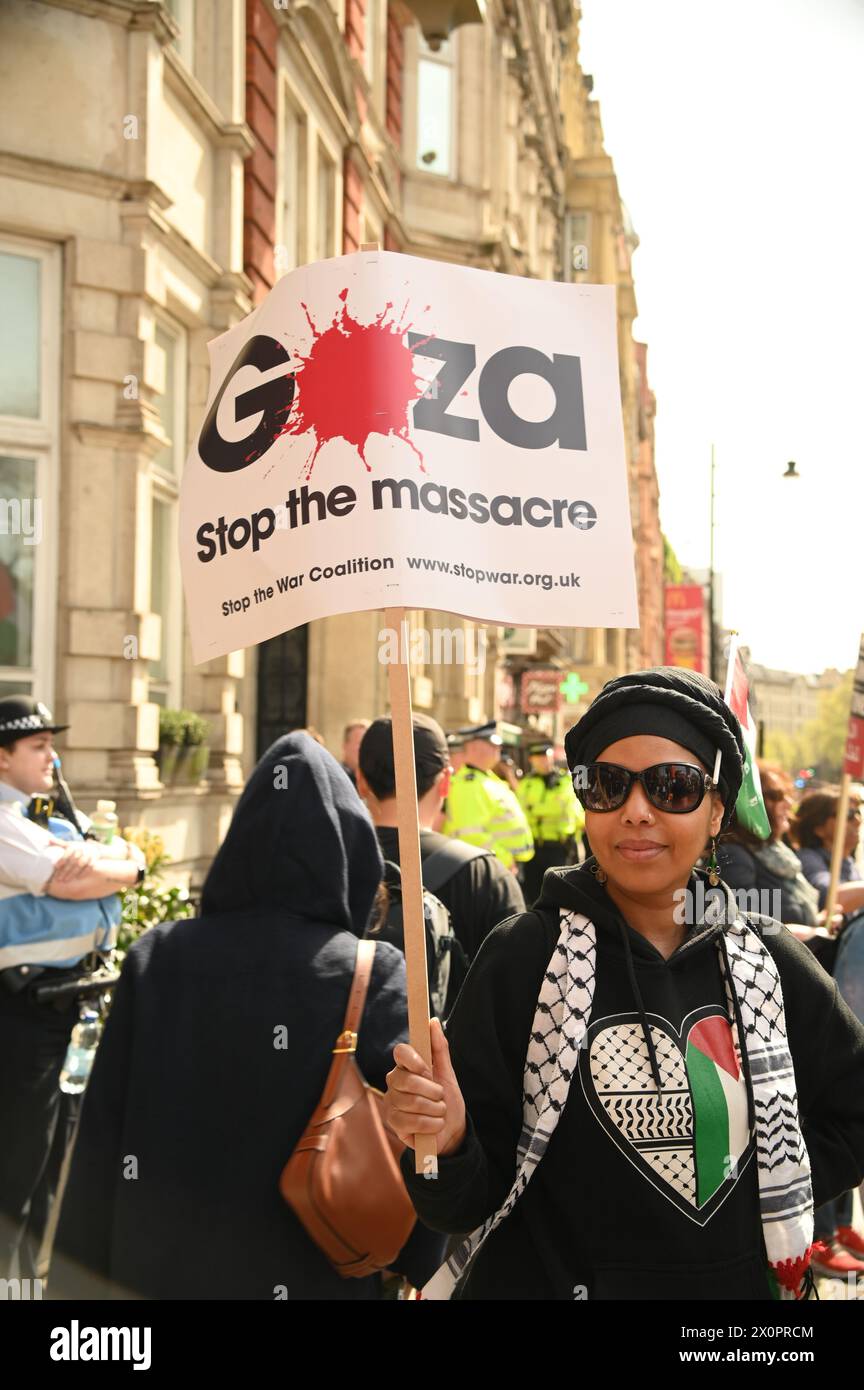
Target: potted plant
{"points": [[171, 735], [196, 731]]}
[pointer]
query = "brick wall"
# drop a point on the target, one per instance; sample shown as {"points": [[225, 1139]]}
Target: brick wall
{"points": [[355, 28], [262, 37], [395, 67], [259, 216], [396, 20], [352, 211]]}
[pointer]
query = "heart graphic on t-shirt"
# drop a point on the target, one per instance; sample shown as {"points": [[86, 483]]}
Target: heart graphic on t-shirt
{"points": [[688, 1139]]}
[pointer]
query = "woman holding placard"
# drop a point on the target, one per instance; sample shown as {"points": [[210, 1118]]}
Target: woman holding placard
{"points": [[642, 1090]]}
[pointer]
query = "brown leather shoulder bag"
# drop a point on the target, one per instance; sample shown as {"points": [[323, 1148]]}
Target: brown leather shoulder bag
{"points": [[343, 1180]]}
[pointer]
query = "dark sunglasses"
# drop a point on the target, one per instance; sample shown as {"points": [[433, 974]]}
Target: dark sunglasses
{"points": [[672, 787]]}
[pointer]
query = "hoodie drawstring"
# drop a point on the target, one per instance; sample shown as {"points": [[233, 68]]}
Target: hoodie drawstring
{"points": [[646, 1031]]}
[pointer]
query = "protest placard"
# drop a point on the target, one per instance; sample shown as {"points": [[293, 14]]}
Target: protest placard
{"points": [[385, 432], [388, 431]]}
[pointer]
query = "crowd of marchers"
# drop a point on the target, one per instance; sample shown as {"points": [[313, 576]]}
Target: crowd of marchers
{"points": [[684, 1066]]}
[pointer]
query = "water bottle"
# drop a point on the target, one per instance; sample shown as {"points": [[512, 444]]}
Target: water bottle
{"points": [[104, 823], [81, 1051]]}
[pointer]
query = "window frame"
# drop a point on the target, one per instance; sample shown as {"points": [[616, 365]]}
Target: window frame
{"points": [[297, 248], [423, 54], [39, 439], [165, 490], [185, 18], [375, 54], [326, 168], [178, 331], [320, 133]]}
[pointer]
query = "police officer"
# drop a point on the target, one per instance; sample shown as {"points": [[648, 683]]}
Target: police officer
{"points": [[546, 796], [456, 748], [59, 913], [481, 808]]}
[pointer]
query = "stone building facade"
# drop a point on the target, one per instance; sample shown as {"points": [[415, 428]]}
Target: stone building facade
{"points": [[121, 209], [785, 701], [163, 162], [597, 245]]}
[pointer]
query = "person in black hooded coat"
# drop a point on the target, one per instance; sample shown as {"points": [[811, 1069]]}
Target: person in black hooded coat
{"points": [[193, 1108]]}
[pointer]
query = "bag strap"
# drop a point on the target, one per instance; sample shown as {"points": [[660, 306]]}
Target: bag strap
{"points": [[392, 874], [347, 1040], [346, 1043], [443, 864]]}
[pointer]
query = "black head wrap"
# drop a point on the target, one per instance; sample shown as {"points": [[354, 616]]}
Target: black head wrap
{"points": [[672, 703]]}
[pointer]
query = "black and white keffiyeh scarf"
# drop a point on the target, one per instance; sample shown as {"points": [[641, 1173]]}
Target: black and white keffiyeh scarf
{"points": [[755, 1008]]}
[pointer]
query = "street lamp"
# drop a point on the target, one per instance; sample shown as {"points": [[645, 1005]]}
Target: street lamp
{"points": [[438, 18]]}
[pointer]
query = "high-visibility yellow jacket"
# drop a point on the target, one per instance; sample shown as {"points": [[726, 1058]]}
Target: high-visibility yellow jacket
{"points": [[483, 811], [551, 807]]}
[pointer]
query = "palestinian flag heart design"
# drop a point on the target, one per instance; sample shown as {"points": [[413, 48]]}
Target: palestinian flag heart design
{"points": [[691, 1140]]}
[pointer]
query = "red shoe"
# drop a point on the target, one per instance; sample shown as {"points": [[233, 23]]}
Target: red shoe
{"points": [[851, 1241], [829, 1257]]}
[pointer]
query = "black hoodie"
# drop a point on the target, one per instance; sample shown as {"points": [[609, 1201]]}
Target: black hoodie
{"points": [[197, 1097], [611, 1210]]}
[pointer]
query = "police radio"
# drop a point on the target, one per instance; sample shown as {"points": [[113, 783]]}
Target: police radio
{"points": [[39, 810], [63, 799], [61, 803]]}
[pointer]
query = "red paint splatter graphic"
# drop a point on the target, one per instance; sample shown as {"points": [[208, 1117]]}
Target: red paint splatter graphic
{"points": [[357, 380]]}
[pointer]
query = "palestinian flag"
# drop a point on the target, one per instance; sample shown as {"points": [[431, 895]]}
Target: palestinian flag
{"points": [[750, 806], [719, 1093]]}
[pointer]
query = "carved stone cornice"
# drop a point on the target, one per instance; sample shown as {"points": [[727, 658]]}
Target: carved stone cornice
{"points": [[132, 438], [139, 199], [146, 191], [147, 211], [526, 66], [198, 103], [56, 174], [151, 15]]}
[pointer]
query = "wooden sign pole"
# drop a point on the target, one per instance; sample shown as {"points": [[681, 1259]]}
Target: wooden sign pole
{"points": [[837, 848], [396, 620], [414, 927]]}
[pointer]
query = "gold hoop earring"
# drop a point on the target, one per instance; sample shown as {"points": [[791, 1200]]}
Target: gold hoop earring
{"points": [[713, 867], [598, 872]]}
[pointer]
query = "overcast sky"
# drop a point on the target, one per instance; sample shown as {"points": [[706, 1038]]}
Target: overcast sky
{"points": [[737, 131]]}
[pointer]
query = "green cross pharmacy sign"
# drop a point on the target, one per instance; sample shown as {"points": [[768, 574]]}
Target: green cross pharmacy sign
{"points": [[573, 688]]}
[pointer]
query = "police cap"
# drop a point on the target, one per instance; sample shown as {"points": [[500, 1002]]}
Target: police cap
{"points": [[21, 715], [488, 732]]}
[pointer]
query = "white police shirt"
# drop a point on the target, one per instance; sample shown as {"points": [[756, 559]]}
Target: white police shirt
{"points": [[36, 929]]}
